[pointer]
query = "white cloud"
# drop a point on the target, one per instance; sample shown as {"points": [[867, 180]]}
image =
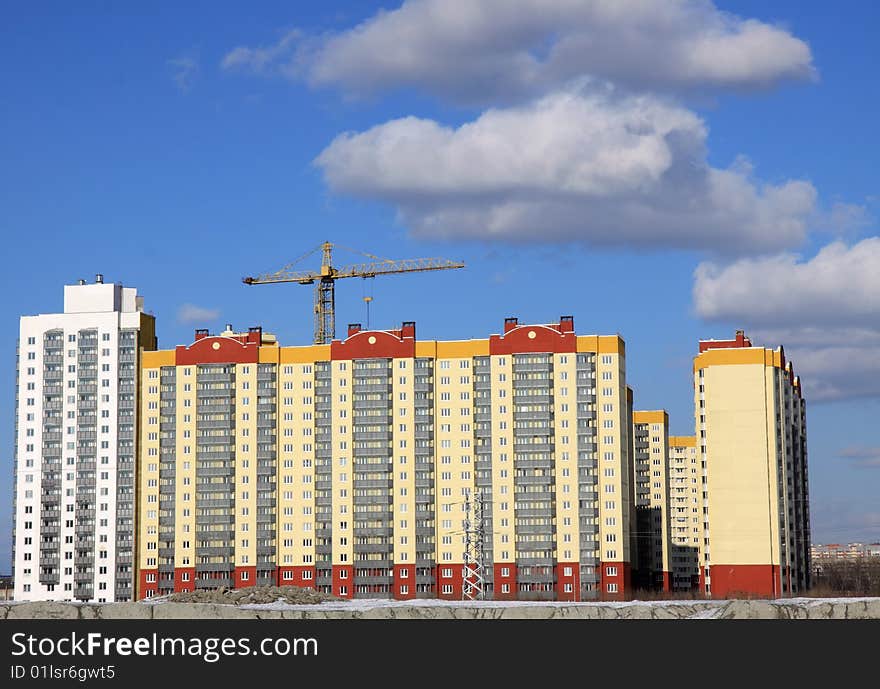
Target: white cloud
{"points": [[572, 167], [825, 311], [264, 58], [185, 71], [844, 219], [838, 286], [484, 51], [190, 313], [838, 370]]}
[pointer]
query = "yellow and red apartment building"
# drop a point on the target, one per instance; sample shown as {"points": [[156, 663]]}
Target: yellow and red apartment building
{"points": [[650, 458], [751, 433], [353, 467]]}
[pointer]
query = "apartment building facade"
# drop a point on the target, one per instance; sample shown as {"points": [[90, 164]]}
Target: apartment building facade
{"points": [[685, 513], [650, 459], [75, 429], [750, 419], [361, 467]]}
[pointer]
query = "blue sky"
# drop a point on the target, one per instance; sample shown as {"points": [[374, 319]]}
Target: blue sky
{"points": [[575, 169]]}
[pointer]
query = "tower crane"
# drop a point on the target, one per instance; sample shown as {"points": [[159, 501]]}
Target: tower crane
{"points": [[325, 280]]}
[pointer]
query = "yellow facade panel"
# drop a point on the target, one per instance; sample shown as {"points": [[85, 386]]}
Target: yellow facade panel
{"points": [[403, 458], [462, 349], [342, 476], [426, 349], [740, 483], [246, 465], [650, 417], [503, 487], [185, 469], [724, 357], [565, 412], [162, 357], [304, 355], [588, 343], [611, 344], [269, 354]]}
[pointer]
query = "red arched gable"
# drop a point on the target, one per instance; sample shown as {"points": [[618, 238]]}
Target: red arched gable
{"points": [[533, 338], [369, 344], [217, 350]]}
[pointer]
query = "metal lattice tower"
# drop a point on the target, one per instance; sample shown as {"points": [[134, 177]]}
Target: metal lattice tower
{"points": [[325, 301], [473, 585]]}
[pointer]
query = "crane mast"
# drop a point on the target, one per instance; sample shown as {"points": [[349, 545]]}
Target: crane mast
{"points": [[325, 280], [325, 299]]}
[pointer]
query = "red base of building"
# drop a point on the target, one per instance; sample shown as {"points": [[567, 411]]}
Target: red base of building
{"points": [[295, 576], [403, 586], [448, 578], [745, 581], [504, 586], [568, 576], [342, 581], [184, 579], [148, 583], [615, 578], [243, 577]]}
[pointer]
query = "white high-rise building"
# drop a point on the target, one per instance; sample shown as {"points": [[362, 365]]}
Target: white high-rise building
{"points": [[76, 442]]}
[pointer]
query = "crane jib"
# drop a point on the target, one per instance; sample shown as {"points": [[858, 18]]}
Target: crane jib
{"points": [[324, 307]]}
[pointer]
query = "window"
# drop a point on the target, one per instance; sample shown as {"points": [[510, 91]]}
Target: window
{"points": [[612, 588]]}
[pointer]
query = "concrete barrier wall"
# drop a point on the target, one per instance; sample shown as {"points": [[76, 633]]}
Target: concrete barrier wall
{"points": [[802, 609]]}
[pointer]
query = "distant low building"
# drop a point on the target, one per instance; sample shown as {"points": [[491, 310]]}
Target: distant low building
{"points": [[844, 551]]}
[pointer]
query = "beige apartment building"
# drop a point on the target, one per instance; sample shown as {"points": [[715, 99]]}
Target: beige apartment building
{"points": [[751, 432], [385, 466]]}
